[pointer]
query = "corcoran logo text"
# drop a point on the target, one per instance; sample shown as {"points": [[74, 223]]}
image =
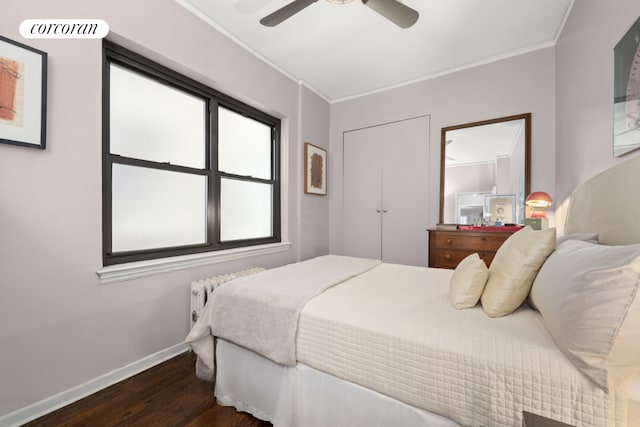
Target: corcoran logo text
{"points": [[64, 28]]}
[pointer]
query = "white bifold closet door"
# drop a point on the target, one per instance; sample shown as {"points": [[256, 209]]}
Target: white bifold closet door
{"points": [[386, 192], [363, 193]]}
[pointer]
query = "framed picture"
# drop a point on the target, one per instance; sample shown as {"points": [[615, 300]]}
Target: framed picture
{"points": [[315, 170], [500, 208], [626, 97], [23, 94]]}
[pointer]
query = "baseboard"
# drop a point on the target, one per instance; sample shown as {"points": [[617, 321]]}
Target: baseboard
{"points": [[50, 404]]}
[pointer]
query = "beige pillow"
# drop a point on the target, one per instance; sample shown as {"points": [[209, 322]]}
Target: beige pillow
{"points": [[589, 298], [513, 269], [467, 282]]}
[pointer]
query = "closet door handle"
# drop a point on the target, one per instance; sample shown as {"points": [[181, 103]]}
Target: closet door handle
{"points": [[384, 210], [378, 210]]}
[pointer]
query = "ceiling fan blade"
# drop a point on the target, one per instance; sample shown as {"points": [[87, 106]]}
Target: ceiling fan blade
{"points": [[285, 12], [396, 12]]}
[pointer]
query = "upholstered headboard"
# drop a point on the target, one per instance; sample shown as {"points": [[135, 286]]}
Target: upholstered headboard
{"points": [[608, 203]]}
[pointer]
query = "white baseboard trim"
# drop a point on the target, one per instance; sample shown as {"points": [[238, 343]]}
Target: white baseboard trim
{"points": [[57, 401]]}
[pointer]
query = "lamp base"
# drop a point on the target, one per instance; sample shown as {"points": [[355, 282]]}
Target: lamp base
{"points": [[537, 223]]}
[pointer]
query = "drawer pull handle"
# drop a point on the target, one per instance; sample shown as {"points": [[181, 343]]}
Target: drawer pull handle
{"points": [[449, 241], [448, 257]]}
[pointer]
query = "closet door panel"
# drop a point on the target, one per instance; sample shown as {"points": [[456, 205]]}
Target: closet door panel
{"points": [[405, 177], [362, 193]]}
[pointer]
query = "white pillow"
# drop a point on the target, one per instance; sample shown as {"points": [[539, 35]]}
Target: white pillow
{"points": [[587, 237], [588, 297], [561, 238], [467, 282], [513, 269]]}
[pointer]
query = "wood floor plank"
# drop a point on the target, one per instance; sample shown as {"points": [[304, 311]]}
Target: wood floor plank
{"points": [[167, 395]]}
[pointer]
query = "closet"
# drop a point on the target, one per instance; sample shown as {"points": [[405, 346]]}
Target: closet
{"points": [[386, 192]]}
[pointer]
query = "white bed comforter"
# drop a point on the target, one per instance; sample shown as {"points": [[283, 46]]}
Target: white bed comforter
{"points": [[260, 312], [393, 330]]}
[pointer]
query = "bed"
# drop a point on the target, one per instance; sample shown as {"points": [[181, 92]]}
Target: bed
{"points": [[347, 341]]}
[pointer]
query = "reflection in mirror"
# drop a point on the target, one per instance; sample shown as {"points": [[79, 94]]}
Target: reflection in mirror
{"points": [[485, 171]]}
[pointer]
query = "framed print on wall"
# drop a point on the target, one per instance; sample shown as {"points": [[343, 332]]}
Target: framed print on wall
{"points": [[23, 94], [626, 97], [315, 170]]}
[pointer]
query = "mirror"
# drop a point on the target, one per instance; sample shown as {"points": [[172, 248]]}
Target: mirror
{"points": [[485, 171]]}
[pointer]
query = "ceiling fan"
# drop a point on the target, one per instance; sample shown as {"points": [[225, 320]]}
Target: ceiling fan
{"points": [[396, 12]]}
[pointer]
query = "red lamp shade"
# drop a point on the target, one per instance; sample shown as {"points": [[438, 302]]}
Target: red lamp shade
{"points": [[538, 202]]}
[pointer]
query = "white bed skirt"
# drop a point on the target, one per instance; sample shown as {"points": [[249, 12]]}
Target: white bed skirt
{"points": [[300, 395]]}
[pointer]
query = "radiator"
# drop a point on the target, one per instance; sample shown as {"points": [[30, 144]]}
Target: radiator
{"points": [[201, 289]]}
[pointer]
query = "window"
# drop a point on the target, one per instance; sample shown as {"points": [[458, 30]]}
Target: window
{"points": [[186, 169]]}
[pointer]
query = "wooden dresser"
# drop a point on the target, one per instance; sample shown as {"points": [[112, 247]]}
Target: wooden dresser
{"points": [[448, 247]]}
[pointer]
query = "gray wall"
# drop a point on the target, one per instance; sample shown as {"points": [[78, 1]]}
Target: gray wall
{"points": [[58, 326], [314, 233], [584, 80], [520, 84]]}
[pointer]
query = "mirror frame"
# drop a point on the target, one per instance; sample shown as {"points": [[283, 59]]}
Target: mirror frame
{"points": [[527, 151]]}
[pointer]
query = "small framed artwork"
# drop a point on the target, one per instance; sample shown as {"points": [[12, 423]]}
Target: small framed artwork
{"points": [[315, 170], [500, 208], [23, 94], [626, 97]]}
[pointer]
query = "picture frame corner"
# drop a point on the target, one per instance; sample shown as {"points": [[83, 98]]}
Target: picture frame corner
{"points": [[23, 99]]}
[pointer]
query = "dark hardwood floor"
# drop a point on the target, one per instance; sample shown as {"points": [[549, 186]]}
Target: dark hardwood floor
{"points": [[166, 395]]}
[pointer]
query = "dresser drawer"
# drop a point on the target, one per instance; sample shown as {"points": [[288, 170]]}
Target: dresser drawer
{"points": [[451, 258], [471, 241], [448, 247]]}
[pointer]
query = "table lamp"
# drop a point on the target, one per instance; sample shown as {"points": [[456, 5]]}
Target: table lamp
{"points": [[538, 201]]}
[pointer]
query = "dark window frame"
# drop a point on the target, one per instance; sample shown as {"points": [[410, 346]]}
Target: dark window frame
{"points": [[132, 61]]}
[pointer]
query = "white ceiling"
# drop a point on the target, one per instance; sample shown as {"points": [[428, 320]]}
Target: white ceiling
{"points": [[347, 50]]}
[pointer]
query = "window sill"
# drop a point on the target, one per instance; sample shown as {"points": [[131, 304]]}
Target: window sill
{"points": [[136, 270]]}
